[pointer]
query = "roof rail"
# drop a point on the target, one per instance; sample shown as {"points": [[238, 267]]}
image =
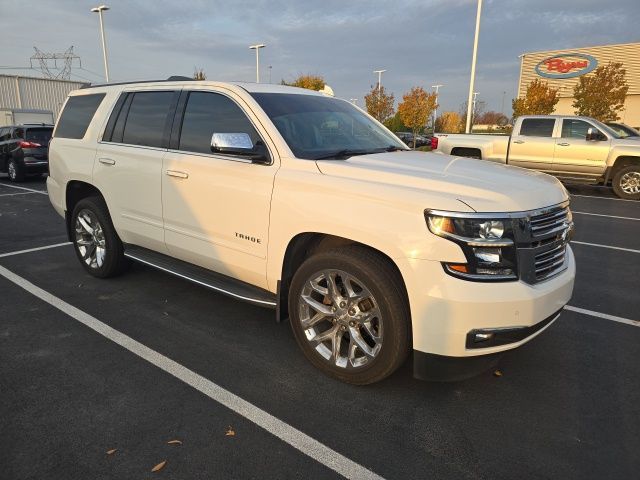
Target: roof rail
{"points": [[173, 78]]}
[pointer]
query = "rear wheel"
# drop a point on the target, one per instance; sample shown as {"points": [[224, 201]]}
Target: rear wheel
{"points": [[349, 314], [15, 171], [96, 242], [626, 182]]}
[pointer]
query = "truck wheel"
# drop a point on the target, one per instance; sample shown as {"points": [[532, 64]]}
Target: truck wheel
{"points": [[15, 171], [349, 314], [96, 242], [626, 182]]}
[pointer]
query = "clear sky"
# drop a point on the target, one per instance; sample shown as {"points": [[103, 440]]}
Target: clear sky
{"points": [[420, 43]]}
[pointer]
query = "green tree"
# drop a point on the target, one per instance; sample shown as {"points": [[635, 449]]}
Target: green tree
{"points": [[395, 123], [601, 95], [539, 99], [379, 104], [416, 108], [310, 82]]}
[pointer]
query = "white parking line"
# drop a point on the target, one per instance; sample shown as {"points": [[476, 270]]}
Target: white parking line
{"points": [[605, 246], [606, 316], [12, 194], [604, 198], [23, 188], [607, 216], [285, 432], [18, 252]]}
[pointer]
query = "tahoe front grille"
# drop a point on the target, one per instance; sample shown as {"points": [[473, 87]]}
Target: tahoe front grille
{"points": [[551, 262], [548, 223]]}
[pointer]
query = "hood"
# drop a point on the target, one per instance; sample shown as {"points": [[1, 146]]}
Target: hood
{"points": [[483, 185]]}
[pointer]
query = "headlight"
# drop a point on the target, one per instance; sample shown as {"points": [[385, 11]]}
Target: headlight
{"points": [[488, 245]]}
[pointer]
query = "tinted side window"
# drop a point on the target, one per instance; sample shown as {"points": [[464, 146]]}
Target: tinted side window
{"points": [[208, 113], [537, 127], [18, 133], [38, 135], [77, 115], [147, 117], [575, 129], [5, 133]]}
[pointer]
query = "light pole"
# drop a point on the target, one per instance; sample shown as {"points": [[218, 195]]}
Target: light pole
{"points": [[257, 47], [473, 67], [473, 110], [270, 67], [99, 10], [379, 72], [435, 112], [354, 101]]}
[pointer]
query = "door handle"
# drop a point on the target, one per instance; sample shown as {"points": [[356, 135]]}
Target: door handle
{"points": [[563, 144], [107, 161], [177, 174], [518, 141]]}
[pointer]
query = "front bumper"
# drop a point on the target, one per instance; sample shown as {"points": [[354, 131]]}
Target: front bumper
{"points": [[446, 310]]}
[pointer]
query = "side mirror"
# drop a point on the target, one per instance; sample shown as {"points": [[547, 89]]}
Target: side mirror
{"points": [[240, 144], [594, 135]]}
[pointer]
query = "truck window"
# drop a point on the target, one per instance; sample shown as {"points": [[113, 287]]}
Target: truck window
{"points": [[77, 115], [207, 113], [537, 127], [572, 128], [146, 120], [39, 135]]}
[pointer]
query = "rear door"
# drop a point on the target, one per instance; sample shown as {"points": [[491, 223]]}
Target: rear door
{"points": [[216, 206], [577, 157], [533, 147], [129, 164]]}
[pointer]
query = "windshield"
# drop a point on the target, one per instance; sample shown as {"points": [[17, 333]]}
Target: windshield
{"points": [[606, 128], [317, 127]]}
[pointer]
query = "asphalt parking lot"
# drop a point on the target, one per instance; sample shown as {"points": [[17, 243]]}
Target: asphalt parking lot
{"points": [[88, 366]]}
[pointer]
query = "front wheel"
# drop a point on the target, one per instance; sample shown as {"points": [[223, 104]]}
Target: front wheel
{"points": [[626, 182], [349, 314], [96, 242]]}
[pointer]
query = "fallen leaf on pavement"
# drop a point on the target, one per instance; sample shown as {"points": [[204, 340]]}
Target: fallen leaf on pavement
{"points": [[230, 432], [159, 466], [174, 442], [497, 373], [112, 451]]}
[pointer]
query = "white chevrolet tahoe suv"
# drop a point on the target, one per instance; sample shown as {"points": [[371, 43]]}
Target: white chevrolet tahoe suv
{"points": [[301, 202]]}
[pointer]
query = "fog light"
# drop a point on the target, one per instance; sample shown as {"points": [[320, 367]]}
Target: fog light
{"points": [[488, 255]]}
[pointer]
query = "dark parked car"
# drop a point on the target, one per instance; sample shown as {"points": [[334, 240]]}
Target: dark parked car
{"points": [[407, 138], [24, 150], [623, 130]]}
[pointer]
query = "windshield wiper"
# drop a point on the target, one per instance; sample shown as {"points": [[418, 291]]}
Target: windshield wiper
{"points": [[346, 153]]}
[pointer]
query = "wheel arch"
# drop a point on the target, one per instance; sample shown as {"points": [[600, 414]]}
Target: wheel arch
{"points": [[75, 191], [305, 244]]}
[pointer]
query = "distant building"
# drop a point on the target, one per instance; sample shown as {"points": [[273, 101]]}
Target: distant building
{"points": [[18, 92], [562, 69]]}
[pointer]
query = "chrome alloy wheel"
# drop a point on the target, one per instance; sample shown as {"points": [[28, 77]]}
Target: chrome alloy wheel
{"points": [[630, 183], [341, 319], [12, 171], [90, 239]]}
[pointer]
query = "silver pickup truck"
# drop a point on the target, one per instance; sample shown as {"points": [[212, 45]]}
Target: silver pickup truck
{"points": [[574, 149]]}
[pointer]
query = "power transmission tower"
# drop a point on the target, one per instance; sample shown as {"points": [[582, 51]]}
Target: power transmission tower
{"points": [[50, 70]]}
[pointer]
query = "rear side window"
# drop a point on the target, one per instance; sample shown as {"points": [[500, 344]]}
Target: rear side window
{"points": [[5, 134], [537, 127], [147, 118], [77, 115], [208, 113], [38, 135]]}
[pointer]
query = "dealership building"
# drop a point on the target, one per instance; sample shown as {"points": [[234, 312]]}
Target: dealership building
{"points": [[562, 69]]}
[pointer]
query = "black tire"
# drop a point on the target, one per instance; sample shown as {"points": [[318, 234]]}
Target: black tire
{"points": [[385, 284], [114, 261], [622, 175], [15, 171]]}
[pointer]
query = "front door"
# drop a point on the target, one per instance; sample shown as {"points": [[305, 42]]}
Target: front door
{"points": [[216, 206], [575, 156]]}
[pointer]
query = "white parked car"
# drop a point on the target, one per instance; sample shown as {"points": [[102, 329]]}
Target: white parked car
{"points": [[297, 201]]}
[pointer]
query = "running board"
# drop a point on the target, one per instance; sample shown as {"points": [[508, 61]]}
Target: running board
{"points": [[207, 278]]}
